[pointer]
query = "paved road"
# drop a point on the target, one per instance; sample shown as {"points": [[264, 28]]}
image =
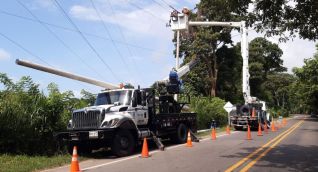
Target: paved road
{"points": [[292, 148]]}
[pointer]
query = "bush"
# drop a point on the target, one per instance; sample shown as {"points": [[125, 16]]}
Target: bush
{"points": [[28, 117], [209, 109], [276, 112]]}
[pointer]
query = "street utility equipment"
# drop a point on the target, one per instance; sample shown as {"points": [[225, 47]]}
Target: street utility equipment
{"points": [[122, 117], [253, 111]]}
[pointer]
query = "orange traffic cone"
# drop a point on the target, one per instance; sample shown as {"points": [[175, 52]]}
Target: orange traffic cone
{"points": [[228, 130], [253, 112], [280, 124], [277, 126], [213, 134], [265, 128], [144, 151], [189, 141], [74, 163], [249, 136], [273, 126], [284, 121], [259, 133]]}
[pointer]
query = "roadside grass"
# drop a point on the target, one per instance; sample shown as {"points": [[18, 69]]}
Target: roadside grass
{"points": [[27, 163], [207, 133]]}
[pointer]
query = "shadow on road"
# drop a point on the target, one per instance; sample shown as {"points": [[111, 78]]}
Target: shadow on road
{"points": [[107, 154], [292, 157], [286, 157]]}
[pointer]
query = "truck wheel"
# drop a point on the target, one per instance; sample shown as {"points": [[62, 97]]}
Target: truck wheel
{"points": [[123, 143], [181, 135]]}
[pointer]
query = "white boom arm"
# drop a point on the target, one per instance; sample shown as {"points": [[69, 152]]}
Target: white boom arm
{"points": [[180, 22], [184, 69], [65, 74], [245, 70]]}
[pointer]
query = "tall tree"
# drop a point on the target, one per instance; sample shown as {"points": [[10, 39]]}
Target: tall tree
{"points": [[278, 84], [308, 78], [265, 58], [278, 16], [205, 42]]}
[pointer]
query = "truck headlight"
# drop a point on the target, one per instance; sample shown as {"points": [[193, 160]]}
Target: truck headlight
{"points": [[111, 123], [69, 125]]}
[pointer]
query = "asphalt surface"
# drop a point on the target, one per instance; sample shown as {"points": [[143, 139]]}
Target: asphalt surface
{"points": [[292, 148]]}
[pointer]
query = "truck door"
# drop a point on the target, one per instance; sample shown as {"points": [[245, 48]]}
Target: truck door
{"points": [[141, 113]]}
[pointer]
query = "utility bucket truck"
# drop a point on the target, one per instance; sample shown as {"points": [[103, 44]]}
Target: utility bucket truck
{"points": [[121, 118], [253, 111]]}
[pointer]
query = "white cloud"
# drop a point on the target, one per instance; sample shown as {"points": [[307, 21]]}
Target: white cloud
{"points": [[45, 3], [4, 55], [42, 4], [133, 20], [294, 51]]}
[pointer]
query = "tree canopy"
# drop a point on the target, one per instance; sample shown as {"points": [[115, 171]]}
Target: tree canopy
{"points": [[286, 18]]}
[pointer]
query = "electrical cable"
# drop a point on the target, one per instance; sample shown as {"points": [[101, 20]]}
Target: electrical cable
{"points": [[23, 48], [110, 36], [160, 5], [59, 39], [85, 33], [85, 39], [124, 38], [145, 11]]}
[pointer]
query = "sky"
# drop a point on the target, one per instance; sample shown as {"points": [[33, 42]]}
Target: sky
{"points": [[110, 40]]}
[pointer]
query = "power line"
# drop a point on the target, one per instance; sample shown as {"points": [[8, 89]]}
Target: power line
{"points": [[57, 4], [124, 38], [109, 35], [23, 48], [145, 11], [58, 38], [85, 33], [160, 5], [170, 6]]}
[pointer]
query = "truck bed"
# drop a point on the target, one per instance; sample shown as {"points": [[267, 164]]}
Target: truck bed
{"points": [[165, 122]]}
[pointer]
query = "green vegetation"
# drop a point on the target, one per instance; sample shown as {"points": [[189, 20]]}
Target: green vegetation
{"points": [[26, 163], [29, 117], [209, 109]]}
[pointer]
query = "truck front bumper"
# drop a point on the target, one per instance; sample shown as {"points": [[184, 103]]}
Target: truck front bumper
{"points": [[85, 135]]}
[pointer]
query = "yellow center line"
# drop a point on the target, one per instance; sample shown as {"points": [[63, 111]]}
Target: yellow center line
{"points": [[239, 163], [252, 163]]}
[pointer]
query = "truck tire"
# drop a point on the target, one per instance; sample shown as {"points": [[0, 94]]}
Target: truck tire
{"points": [[123, 143], [245, 109], [181, 135]]}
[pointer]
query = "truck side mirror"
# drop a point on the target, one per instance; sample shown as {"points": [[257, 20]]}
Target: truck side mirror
{"points": [[134, 103], [134, 100], [143, 98]]}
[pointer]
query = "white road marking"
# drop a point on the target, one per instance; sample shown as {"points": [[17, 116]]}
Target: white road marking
{"points": [[151, 152]]}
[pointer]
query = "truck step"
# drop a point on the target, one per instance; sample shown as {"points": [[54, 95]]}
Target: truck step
{"points": [[158, 142]]}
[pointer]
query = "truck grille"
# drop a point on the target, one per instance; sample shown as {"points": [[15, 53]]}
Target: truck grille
{"points": [[85, 120]]}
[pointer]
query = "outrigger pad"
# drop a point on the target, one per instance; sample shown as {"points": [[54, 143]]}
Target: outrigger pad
{"points": [[193, 137], [158, 142]]}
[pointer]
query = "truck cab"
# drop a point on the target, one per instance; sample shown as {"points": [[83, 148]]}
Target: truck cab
{"points": [[110, 109]]}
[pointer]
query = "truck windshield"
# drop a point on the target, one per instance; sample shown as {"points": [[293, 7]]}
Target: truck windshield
{"points": [[122, 96]]}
